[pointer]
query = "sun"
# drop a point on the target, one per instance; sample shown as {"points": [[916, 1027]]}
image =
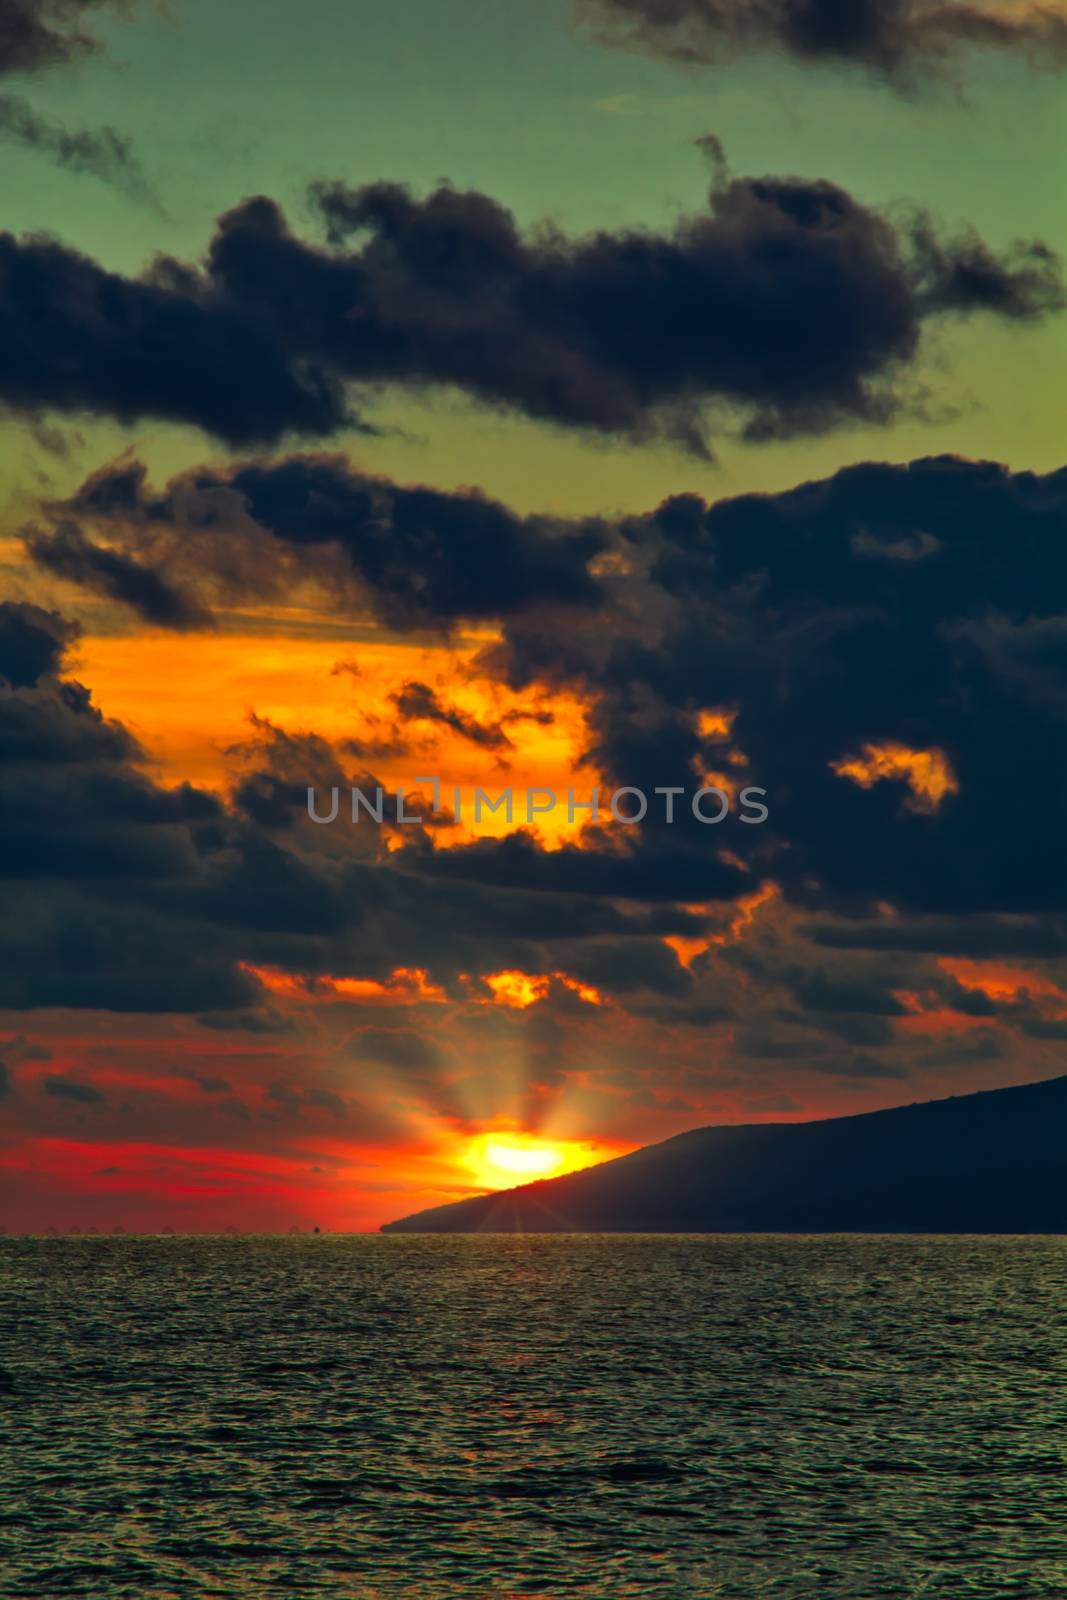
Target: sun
{"points": [[506, 1158], [531, 1161]]}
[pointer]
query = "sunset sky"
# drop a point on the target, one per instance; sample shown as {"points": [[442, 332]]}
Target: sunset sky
{"points": [[618, 393]]}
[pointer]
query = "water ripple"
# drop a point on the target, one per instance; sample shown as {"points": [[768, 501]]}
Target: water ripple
{"points": [[540, 1416]]}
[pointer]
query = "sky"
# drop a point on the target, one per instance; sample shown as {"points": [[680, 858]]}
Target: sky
{"points": [[619, 394]]}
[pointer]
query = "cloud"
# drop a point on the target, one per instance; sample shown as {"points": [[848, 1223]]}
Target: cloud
{"points": [[121, 895], [864, 1067], [820, 991], [402, 1048], [36, 34], [87, 841], [783, 307], [32, 642], [82, 340], [69, 1089], [786, 301], [779, 611], [65, 551], [264, 1021], [1039, 938], [420, 556], [100, 152], [1046, 1028], [417, 702], [295, 1099], [903, 41], [899, 711]]}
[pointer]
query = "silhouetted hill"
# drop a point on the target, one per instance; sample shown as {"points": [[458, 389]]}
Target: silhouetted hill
{"points": [[980, 1163]]}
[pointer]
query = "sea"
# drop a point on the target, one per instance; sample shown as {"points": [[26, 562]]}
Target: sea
{"points": [[533, 1416]]}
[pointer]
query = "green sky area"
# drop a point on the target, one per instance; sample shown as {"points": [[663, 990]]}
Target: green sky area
{"points": [[249, 96]]}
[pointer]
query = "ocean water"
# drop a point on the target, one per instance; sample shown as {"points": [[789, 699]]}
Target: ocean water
{"points": [[531, 1416]]}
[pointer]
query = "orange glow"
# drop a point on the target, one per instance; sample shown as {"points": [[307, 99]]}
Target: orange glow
{"points": [[719, 780], [688, 948], [747, 906], [147, 1185], [998, 980], [932, 1019], [685, 949], [584, 991], [927, 773], [940, 1022], [522, 989], [517, 989], [189, 702], [715, 723], [403, 985]]}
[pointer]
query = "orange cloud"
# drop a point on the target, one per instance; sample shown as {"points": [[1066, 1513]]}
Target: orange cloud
{"points": [[522, 989], [924, 1017], [715, 723], [927, 773], [404, 985], [747, 907], [999, 980]]}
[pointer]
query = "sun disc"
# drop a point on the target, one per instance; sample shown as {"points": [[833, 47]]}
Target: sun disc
{"points": [[530, 1160]]}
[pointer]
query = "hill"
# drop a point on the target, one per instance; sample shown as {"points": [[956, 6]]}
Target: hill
{"points": [[994, 1162]]}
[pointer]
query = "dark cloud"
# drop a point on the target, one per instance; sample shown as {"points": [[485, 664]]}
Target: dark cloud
{"points": [[759, 1043], [100, 152], [295, 1099], [656, 868], [88, 842], [65, 551], [35, 34], [787, 301], [690, 1016], [5, 1079], [1046, 1028], [906, 716], [629, 966], [262, 1021], [417, 702], [167, 345], [420, 556], [403, 1048], [889, 647], [855, 1028], [821, 991], [969, 1049], [864, 1067], [903, 40], [19, 1049], [982, 937], [70, 1089], [785, 306], [32, 643]]}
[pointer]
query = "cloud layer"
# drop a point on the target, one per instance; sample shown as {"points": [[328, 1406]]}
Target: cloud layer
{"points": [[881, 651], [902, 40], [785, 307]]}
